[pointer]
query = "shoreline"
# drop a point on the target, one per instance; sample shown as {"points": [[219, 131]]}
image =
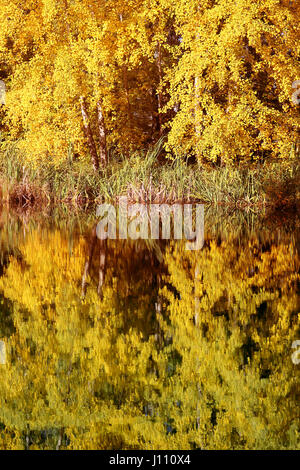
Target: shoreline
{"points": [[16, 194], [143, 178]]}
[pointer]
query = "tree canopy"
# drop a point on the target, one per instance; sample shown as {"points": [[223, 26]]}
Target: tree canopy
{"points": [[214, 76]]}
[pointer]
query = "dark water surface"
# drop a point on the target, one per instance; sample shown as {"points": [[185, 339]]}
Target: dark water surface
{"points": [[124, 344]]}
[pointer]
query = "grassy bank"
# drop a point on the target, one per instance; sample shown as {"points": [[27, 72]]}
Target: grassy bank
{"points": [[146, 178]]}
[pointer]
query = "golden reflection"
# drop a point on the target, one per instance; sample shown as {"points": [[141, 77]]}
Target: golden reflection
{"points": [[145, 345]]}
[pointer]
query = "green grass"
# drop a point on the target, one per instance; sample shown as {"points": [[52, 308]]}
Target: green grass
{"points": [[147, 177]]}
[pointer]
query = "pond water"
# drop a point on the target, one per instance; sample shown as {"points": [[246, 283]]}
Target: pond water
{"points": [[143, 344]]}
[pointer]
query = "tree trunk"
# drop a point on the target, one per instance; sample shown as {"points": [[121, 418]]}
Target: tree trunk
{"points": [[89, 135], [159, 96], [102, 135], [196, 112]]}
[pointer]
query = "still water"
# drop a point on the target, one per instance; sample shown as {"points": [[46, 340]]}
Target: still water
{"points": [[124, 344]]}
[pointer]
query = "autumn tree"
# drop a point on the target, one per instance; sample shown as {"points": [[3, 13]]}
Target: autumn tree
{"points": [[82, 75], [232, 84]]}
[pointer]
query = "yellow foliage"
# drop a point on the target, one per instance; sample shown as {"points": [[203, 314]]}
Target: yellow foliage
{"points": [[233, 81], [222, 71]]}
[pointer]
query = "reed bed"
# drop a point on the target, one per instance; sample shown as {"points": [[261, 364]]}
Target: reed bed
{"points": [[147, 177]]}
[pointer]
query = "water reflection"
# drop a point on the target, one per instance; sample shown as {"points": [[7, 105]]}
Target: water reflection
{"points": [[142, 344]]}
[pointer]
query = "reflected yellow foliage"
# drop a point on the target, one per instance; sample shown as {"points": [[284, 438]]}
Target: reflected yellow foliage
{"points": [[192, 351], [233, 325]]}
